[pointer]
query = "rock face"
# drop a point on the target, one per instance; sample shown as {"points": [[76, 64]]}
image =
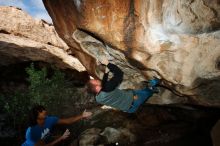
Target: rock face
{"points": [[177, 41], [23, 38], [152, 126]]}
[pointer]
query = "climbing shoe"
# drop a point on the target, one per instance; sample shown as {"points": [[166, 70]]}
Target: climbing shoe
{"points": [[154, 82]]}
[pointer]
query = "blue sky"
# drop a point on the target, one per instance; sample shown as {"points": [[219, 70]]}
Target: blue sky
{"points": [[34, 7]]}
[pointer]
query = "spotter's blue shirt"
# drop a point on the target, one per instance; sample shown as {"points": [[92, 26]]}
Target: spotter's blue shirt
{"points": [[36, 133]]}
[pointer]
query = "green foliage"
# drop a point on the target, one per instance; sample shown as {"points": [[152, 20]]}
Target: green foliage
{"points": [[50, 92], [37, 79], [16, 105]]}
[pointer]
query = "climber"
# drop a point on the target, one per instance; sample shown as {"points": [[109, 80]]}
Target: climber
{"points": [[107, 93], [39, 132]]}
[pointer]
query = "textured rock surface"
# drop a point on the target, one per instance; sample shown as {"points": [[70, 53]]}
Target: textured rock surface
{"points": [[150, 126], [178, 41], [23, 38]]}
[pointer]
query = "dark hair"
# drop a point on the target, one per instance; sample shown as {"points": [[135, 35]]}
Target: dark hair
{"points": [[34, 114]]}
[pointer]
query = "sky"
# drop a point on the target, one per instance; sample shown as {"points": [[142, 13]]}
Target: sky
{"points": [[34, 7]]}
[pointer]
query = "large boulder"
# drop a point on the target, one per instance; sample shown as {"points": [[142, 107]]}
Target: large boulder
{"points": [[177, 41]]}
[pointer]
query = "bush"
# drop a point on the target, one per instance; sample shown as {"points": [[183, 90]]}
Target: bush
{"points": [[16, 106], [50, 92]]}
